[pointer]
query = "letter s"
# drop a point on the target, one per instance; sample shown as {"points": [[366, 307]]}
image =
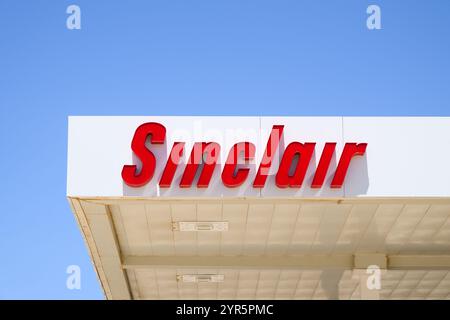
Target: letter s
{"points": [[129, 172]]}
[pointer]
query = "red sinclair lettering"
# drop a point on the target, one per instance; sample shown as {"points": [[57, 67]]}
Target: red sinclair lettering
{"points": [[158, 136], [201, 149], [303, 152], [171, 164], [350, 150], [232, 176], [266, 162], [205, 155]]}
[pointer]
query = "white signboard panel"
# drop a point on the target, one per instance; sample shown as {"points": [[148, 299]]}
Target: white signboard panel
{"points": [[405, 156]]}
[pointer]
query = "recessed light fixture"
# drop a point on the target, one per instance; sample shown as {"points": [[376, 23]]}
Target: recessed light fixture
{"points": [[200, 226], [195, 278]]}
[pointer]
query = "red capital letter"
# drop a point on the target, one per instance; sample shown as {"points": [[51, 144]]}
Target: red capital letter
{"points": [[230, 176], [304, 152], [350, 150], [266, 162], [129, 172]]}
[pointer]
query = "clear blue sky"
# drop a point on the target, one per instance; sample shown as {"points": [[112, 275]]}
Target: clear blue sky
{"points": [[179, 57]]}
